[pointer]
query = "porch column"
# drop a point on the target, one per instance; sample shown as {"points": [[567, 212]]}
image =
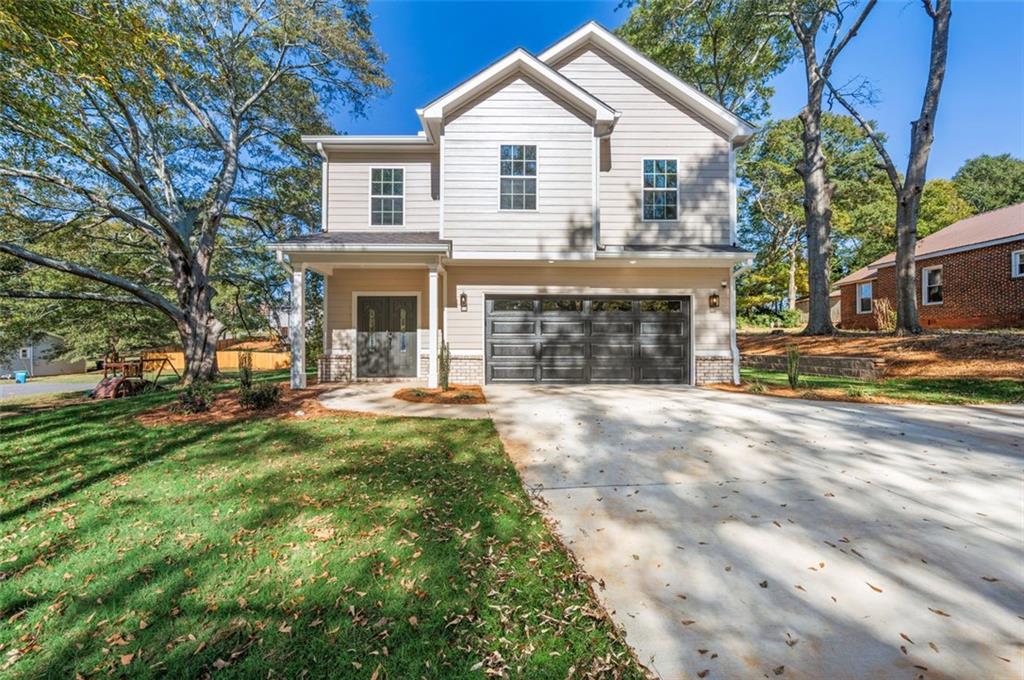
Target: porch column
{"points": [[432, 284], [297, 328]]}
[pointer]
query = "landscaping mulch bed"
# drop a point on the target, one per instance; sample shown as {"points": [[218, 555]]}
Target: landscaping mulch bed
{"points": [[455, 394], [225, 408], [967, 354], [816, 394]]}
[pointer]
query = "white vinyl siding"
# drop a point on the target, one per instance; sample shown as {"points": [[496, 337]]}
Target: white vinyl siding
{"points": [[1017, 264], [864, 294], [517, 111], [348, 189], [931, 285], [653, 126]]}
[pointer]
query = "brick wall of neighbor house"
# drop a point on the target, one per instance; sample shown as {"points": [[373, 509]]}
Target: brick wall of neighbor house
{"points": [[977, 289], [713, 370]]}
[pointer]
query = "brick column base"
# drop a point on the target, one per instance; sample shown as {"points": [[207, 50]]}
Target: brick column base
{"points": [[467, 370], [713, 370], [334, 369]]}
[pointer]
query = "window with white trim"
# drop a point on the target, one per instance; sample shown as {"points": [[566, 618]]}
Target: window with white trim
{"points": [[1017, 264], [931, 285], [517, 170], [387, 196], [864, 291], [661, 190]]}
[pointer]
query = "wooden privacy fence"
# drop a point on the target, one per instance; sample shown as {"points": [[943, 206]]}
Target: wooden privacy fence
{"points": [[227, 360]]}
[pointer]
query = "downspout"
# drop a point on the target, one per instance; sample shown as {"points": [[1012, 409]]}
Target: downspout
{"points": [[323, 185], [595, 214], [734, 346]]}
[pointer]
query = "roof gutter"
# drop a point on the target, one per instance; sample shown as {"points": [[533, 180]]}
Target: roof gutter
{"points": [[359, 248]]}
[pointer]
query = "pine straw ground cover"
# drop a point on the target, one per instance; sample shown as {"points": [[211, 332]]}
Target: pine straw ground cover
{"points": [[333, 546]]}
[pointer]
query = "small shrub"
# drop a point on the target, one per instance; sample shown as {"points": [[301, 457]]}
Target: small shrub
{"points": [[885, 315], [444, 366], [793, 366], [856, 392], [757, 387], [196, 397], [245, 371], [788, 318], [260, 397]]}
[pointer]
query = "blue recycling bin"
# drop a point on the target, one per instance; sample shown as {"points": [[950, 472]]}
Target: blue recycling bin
{"points": [[21, 377]]}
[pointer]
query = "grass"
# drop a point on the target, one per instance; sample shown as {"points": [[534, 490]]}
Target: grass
{"points": [[336, 546], [922, 390]]}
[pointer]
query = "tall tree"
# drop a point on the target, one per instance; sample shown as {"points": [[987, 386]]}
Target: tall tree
{"points": [[163, 131], [991, 182], [729, 49], [772, 219], [908, 189], [815, 22]]}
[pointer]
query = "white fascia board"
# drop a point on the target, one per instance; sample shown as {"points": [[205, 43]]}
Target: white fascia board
{"points": [[360, 248], [672, 255], [735, 128], [519, 59], [366, 142]]}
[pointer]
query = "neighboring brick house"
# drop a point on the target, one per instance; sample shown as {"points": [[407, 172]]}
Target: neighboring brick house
{"points": [[970, 275]]}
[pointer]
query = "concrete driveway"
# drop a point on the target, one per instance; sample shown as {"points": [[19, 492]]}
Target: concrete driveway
{"points": [[748, 536], [12, 390]]}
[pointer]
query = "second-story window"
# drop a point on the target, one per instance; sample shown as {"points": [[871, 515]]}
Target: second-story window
{"points": [[661, 190], [387, 196], [518, 172]]}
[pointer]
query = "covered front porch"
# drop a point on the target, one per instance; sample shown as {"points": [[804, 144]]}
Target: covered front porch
{"points": [[382, 304]]}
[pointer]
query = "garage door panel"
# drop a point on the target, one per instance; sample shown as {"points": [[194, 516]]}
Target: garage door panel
{"points": [[505, 327], [562, 327], [552, 339]]}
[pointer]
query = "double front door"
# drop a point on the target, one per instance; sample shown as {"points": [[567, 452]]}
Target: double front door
{"points": [[386, 337]]}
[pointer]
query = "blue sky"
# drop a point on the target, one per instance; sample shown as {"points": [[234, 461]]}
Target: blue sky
{"points": [[432, 46]]}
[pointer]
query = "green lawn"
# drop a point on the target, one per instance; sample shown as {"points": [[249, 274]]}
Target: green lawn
{"points": [[925, 390], [336, 546]]}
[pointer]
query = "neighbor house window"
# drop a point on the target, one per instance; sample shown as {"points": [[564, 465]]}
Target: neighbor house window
{"points": [[661, 190], [931, 285], [1017, 264], [864, 298], [387, 196], [518, 173]]}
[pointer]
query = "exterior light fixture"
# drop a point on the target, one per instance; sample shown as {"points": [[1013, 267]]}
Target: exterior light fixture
{"points": [[551, 261], [463, 302], [632, 261], [714, 300]]}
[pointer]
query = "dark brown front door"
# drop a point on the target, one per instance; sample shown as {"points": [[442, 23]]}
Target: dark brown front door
{"points": [[386, 337]]}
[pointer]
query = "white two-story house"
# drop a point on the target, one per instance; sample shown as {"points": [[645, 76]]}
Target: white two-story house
{"points": [[562, 217]]}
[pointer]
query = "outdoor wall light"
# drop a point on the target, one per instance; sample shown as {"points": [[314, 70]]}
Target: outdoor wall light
{"points": [[714, 300], [463, 302]]}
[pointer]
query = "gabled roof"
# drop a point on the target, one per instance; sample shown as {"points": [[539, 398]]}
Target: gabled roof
{"points": [[862, 274], [517, 61], [991, 228], [731, 125]]}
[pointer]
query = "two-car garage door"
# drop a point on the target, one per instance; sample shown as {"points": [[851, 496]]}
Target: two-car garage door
{"points": [[567, 339]]}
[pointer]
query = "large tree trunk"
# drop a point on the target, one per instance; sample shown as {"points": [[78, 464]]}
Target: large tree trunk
{"points": [[199, 330], [817, 210], [906, 268]]}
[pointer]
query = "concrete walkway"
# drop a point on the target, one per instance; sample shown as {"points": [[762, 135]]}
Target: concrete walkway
{"points": [[751, 537]]}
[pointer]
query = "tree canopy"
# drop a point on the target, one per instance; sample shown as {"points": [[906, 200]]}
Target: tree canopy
{"points": [[729, 49], [991, 182], [157, 151]]}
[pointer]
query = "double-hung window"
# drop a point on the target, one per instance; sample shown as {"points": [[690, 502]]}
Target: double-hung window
{"points": [[518, 177], [1017, 264], [387, 196], [931, 285], [864, 298], [661, 190]]}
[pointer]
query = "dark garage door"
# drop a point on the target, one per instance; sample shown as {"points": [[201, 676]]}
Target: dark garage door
{"points": [[558, 339]]}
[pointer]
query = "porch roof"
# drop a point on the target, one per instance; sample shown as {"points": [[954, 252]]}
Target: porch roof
{"points": [[366, 242]]}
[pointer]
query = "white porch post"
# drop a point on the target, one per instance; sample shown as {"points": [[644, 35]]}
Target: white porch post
{"points": [[297, 328], [432, 284]]}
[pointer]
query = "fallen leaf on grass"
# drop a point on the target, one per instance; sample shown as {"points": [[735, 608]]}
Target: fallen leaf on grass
{"points": [[127, 658], [938, 611], [874, 588]]}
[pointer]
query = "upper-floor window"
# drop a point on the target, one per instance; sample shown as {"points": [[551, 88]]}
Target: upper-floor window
{"points": [[1017, 264], [661, 190], [387, 196], [931, 285], [864, 298], [518, 173]]}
